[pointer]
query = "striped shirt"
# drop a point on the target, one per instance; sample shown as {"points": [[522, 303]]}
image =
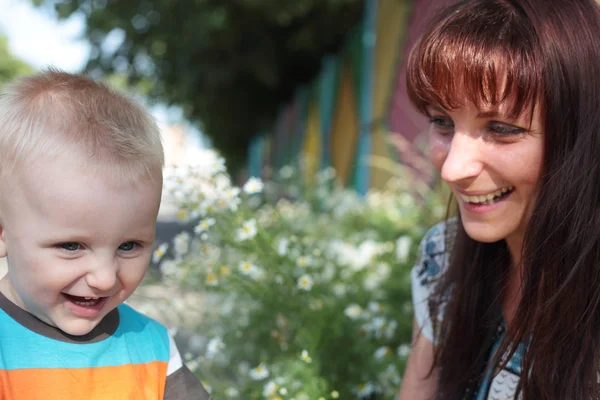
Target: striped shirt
{"points": [[127, 356]]}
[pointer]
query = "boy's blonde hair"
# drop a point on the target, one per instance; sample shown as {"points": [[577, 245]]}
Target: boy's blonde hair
{"points": [[53, 112]]}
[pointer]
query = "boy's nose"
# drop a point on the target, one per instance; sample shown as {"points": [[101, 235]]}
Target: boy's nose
{"points": [[103, 276], [464, 159]]}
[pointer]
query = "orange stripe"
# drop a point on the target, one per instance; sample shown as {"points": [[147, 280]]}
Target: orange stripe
{"points": [[131, 382]]}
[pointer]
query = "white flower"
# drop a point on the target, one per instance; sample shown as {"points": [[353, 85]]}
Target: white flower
{"points": [[377, 325], [339, 289], [365, 389], [169, 268], [270, 389], [303, 261], [372, 281], [353, 311], [254, 185], [232, 392], [211, 279], [181, 244], [403, 248], [231, 193], [403, 350], [217, 166], [390, 331], [192, 365], [382, 352], [375, 307], [259, 373], [159, 253], [204, 225], [251, 270], [282, 246], [391, 375], [305, 282], [356, 258], [326, 174], [247, 231], [228, 197], [383, 270], [305, 357], [214, 347]]}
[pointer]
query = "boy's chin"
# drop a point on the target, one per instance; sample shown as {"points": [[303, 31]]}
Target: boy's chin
{"points": [[77, 328]]}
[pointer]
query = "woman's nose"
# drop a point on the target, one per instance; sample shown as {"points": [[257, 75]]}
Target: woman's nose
{"points": [[464, 159]]}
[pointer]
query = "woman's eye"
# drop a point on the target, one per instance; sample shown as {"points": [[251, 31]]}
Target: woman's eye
{"points": [[127, 246], [70, 246], [441, 123], [505, 129]]}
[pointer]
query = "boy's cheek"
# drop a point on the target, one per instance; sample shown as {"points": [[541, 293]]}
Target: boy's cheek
{"points": [[3, 251]]}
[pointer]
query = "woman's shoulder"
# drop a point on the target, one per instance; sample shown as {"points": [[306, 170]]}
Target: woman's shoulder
{"points": [[431, 264], [434, 252]]}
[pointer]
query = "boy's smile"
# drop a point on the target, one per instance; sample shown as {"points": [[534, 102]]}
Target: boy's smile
{"points": [[78, 243]]}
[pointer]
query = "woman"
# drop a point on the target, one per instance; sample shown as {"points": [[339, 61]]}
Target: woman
{"points": [[507, 295]]}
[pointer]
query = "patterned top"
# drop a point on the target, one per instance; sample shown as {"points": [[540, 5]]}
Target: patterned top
{"points": [[432, 262], [127, 356]]}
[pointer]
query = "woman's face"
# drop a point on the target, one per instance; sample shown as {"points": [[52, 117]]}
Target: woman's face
{"points": [[492, 165]]}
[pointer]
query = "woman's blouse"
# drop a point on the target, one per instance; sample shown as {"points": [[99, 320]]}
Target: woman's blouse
{"points": [[430, 267]]}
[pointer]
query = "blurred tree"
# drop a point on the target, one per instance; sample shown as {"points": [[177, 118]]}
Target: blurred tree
{"points": [[229, 64], [10, 66]]}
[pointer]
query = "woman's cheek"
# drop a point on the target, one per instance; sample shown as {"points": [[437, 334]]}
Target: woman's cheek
{"points": [[438, 149]]}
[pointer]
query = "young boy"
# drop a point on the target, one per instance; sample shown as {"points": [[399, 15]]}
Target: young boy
{"points": [[81, 180]]}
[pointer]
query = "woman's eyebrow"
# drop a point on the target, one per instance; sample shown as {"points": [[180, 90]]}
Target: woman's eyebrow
{"points": [[488, 114], [436, 108]]}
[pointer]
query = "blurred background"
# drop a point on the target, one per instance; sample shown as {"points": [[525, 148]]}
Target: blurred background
{"points": [[294, 113]]}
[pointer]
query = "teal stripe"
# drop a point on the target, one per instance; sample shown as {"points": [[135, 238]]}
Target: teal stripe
{"points": [[138, 340], [327, 92], [255, 157], [366, 97]]}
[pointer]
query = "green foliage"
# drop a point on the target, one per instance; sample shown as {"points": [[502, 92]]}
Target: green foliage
{"points": [[10, 66], [308, 284], [229, 64]]}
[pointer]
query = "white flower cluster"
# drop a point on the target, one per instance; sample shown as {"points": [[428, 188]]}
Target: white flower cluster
{"points": [[288, 267]]}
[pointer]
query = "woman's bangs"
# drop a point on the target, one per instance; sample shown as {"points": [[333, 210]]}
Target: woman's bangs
{"points": [[451, 66]]}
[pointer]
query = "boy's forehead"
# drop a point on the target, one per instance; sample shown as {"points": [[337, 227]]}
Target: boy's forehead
{"points": [[71, 177], [67, 202]]}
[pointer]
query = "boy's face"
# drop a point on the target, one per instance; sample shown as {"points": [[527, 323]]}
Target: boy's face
{"points": [[78, 245]]}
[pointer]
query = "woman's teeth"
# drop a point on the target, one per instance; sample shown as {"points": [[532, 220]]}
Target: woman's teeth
{"points": [[489, 198]]}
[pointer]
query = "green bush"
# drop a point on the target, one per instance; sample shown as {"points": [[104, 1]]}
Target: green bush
{"points": [[308, 284]]}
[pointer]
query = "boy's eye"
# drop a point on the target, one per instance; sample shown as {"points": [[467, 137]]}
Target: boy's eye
{"points": [[70, 246], [127, 246]]}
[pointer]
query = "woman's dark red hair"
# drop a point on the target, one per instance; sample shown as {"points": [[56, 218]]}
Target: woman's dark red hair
{"points": [[530, 53]]}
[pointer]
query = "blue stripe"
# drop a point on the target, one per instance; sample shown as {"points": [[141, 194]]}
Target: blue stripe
{"points": [[137, 340]]}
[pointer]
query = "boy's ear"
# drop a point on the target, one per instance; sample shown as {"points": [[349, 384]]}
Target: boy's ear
{"points": [[3, 252]]}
